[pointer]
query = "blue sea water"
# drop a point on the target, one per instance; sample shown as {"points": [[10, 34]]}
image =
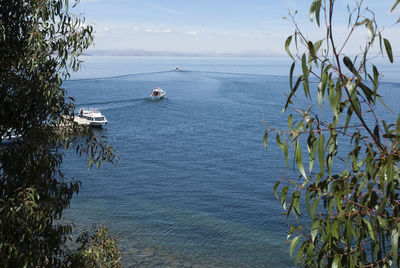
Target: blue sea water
{"points": [[193, 184]]}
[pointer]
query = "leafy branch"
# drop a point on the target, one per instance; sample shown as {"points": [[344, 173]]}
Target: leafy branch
{"points": [[356, 211]]}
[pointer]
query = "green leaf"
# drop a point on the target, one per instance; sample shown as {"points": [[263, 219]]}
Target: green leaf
{"points": [[322, 85], [353, 95], [317, 45], [321, 152], [371, 232], [317, 12], [293, 244], [312, 10], [333, 101], [292, 92], [279, 141], [290, 122], [284, 148], [312, 150], [388, 48], [361, 22], [287, 44], [348, 117], [299, 160], [296, 202], [315, 9], [375, 81], [385, 126], [311, 50], [370, 27], [369, 93], [291, 75], [299, 127], [283, 196], [376, 132], [395, 4], [349, 64], [286, 154], [314, 207], [382, 222], [314, 229], [291, 231], [336, 262], [334, 229], [331, 204], [395, 240], [265, 138], [275, 187], [305, 75]]}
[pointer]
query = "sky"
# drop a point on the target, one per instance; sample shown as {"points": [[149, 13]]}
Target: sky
{"points": [[219, 26]]}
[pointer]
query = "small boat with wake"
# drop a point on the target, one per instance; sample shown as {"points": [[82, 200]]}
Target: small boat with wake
{"points": [[90, 117], [158, 93]]}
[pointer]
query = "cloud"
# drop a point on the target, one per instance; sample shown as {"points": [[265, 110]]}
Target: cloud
{"points": [[191, 33], [107, 29], [155, 30]]}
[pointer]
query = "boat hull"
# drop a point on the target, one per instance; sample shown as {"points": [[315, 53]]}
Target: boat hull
{"points": [[156, 97], [97, 124]]}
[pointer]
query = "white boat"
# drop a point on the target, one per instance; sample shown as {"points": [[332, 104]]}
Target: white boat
{"points": [[91, 117], [158, 93], [10, 137]]}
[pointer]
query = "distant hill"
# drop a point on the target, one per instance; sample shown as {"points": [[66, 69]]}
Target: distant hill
{"points": [[97, 52]]}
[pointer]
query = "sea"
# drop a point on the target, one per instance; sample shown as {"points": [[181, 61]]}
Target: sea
{"points": [[193, 186]]}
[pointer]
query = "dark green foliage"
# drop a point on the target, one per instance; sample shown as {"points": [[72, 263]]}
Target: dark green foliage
{"points": [[40, 42], [354, 213]]}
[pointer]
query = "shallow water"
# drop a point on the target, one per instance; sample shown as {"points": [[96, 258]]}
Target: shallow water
{"points": [[193, 186]]}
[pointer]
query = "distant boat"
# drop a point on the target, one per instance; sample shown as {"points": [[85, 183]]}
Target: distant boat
{"points": [[91, 117], [158, 93], [176, 69]]}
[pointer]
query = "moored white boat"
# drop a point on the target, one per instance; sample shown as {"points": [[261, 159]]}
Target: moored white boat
{"points": [[91, 117], [158, 93], [10, 137]]}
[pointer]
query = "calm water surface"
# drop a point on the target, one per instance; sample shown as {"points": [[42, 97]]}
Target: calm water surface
{"points": [[193, 186]]}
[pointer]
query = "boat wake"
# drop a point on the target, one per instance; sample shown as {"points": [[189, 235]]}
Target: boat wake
{"points": [[99, 103], [118, 76]]}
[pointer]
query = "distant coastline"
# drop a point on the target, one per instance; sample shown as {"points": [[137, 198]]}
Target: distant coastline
{"points": [[96, 52]]}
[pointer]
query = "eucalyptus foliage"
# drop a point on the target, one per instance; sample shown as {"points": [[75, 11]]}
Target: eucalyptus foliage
{"points": [[40, 41], [97, 249], [353, 203]]}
